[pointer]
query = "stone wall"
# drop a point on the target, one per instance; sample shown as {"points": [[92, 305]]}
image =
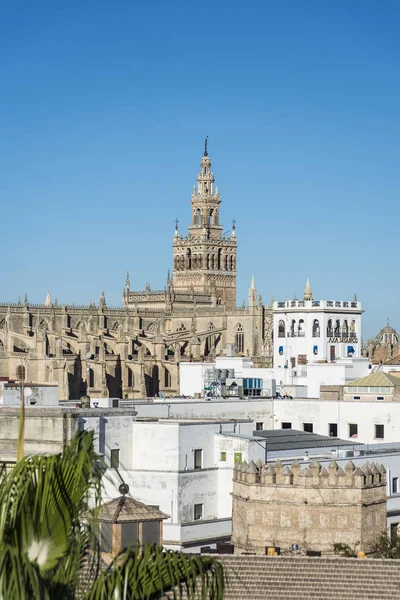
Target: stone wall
{"points": [[313, 507]]}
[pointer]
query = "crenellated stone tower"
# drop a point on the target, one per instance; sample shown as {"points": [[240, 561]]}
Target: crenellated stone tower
{"points": [[205, 260]]}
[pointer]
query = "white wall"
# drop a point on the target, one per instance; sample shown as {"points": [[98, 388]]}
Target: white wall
{"points": [[323, 412], [35, 396]]}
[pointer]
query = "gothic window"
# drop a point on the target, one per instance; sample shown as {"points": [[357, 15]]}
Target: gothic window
{"points": [[208, 261], [189, 258], [115, 326], [329, 330], [353, 327], [315, 329], [198, 216], [337, 328], [182, 262], [151, 327], [226, 263], [91, 378], [20, 373], [345, 329], [199, 261], [210, 217], [131, 378], [213, 262], [219, 266], [281, 329], [231, 263], [181, 327], [167, 378], [239, 339]]}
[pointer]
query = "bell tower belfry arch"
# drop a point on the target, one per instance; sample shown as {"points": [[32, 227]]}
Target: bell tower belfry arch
{"points": [[205, 260]]}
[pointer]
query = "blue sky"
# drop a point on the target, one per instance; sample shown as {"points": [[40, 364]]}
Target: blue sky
{"points": [[104, 108]]}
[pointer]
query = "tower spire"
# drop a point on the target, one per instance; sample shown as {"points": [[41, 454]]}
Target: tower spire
{"points": [[205, 146], [307, 291]]}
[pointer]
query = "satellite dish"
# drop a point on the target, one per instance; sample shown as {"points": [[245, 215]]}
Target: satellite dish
{"points": [[88, 355], [123, 489]]}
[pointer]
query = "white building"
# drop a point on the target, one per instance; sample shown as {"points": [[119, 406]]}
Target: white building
{"points": [[184, 467], [314, 331]]}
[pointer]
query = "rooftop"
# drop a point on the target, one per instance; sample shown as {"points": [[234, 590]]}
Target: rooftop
{"points": [[378, 379], [293, 439], [126, 509], [298, 578]]}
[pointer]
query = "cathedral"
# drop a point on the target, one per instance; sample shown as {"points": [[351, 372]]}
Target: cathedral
{"points": [[134, 351]]}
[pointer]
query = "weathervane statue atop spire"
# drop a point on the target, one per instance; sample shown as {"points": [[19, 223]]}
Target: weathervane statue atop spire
{"points": [[205, 146]]}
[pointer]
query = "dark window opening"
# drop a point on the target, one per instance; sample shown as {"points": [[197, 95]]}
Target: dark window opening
{"points": [[309, 427], [286, 426], [332, 429], [198, 512], [114, 459], [259, 426], [198, 459], [353, 430], [379, 432]]}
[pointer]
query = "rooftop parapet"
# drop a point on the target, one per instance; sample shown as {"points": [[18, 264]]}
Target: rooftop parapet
{"points": [[313, 475]]}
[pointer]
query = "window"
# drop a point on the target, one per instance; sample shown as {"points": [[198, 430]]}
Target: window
{"points": [[223, 457], [286, 426], [353, 430], [379, 432], [106, 537], [292, 362], [332, 429], [237, 457], [308, 427], [281, 329], [151, 532], [239, 338], [198, 455], [380, 398], [259, 426], [129, 535], [395, 485], [198, 512], [356, 397], [114, 459]]}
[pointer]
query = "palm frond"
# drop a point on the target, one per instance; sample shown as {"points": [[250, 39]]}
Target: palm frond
{"points": [[150, 573]]}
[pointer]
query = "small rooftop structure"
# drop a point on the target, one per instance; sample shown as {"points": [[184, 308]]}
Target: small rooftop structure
{"points": [[378, 379], [125, 522]]}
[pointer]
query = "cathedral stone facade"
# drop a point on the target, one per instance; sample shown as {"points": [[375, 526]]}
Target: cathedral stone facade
{"points": [[134, 351]]}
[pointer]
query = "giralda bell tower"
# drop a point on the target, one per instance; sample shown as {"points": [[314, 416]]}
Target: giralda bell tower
{"points": [[205, 260]]}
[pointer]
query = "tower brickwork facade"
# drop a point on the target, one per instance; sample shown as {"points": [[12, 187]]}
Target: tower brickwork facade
{"points": [[314, 507], [205, 259]]}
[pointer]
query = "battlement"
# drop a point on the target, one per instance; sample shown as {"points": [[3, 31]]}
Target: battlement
{"points": [[315, 475]]}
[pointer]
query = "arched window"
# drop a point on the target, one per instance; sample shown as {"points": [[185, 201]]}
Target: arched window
{"points": [[198, 216], [281, 329], [315, 329], [219, 265], [20, 373], [353, 327], [167, 378], [301, 331], [182, 262], [293, 328], [131, 378], [385, 338], [239, 339], [337, 328], [210, 217], [189, 258], [345, 328], [181, 327], [208, 261], [115, 326], [210, 340], [329, 330], [226, 263]]}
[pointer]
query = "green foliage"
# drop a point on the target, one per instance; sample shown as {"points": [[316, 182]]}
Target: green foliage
{"points": [[47, 531], [345, 550], [383, 547]]}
